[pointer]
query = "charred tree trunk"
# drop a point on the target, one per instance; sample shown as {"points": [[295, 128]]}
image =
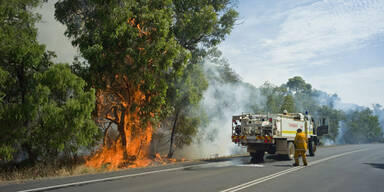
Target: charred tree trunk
{"points": [[121, 129], [105, 139], [170, 153]]}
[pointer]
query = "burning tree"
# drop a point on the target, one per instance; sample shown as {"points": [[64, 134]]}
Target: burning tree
{"points": [[129, 49]]}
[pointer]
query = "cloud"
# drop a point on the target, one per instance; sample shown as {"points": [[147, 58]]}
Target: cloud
{"points": [[277, 40], [360, 87], [325, 28], [318, 40]]}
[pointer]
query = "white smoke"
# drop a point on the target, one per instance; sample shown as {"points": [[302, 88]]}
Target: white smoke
{"points": [[340, 135], [327, 142], [221, 101], [51, 33]]}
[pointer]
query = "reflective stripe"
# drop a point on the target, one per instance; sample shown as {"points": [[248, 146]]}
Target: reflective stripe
{"points": [[300, 149], [290, 132], [269, 138], [294, 132]]}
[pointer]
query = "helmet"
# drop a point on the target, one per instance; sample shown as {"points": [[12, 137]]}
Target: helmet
{"points": [[299, 130], [285, 111]]}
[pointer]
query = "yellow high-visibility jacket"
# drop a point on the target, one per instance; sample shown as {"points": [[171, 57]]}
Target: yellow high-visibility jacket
{"points": [[301, 141]]}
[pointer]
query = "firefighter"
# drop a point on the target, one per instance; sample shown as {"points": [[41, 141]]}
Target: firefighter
{"points": [[300, 147]]}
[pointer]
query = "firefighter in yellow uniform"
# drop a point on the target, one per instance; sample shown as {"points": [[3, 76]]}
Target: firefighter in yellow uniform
{"points": [[300, 147]]}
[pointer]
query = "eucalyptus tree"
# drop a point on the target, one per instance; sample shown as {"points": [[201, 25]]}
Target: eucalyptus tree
{"points": [[44, 110]]}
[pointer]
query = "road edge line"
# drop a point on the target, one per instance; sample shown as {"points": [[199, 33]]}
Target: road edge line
{"points": [[280, 173], [104, 179]]}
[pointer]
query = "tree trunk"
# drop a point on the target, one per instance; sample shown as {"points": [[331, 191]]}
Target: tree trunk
{"points": [[32, 157], [120, 128], [105, 139], [170, 154]]}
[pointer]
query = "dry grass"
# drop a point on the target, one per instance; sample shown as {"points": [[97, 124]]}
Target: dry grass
{"points": [[40, 171]]}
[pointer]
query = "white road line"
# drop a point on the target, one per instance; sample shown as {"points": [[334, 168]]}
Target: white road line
{"points": [[249, 165], [269, 177], [232, 189], [250, 183], [105, 179]]}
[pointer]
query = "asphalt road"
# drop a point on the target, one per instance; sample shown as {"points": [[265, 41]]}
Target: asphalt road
{"points": [[349, 168]]}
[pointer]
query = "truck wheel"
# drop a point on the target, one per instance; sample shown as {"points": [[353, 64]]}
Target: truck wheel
{"points": [[312, 148], [257, 157], [291, 151]]}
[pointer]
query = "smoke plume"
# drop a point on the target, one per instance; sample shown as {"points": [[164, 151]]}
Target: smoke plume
{"points": [[221, 101]]}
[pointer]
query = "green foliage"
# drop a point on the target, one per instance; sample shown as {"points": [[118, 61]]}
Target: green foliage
{"points": [[184, 97], [129, 39], [59, 117], [221, 72], [203, 22], [378, 110], [288, 104], [62, 113], [272, 106], [43, 108], [359, 126], [4, 75], [188, 126], [273, 95], [199, 26], [362, 127], [297, 96], [297, 84], [333, 116], [6, 152], [21, 56], [156, 44]]}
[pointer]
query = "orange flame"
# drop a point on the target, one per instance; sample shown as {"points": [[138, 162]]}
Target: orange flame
{"points": [[134, 151], [119, 104]]}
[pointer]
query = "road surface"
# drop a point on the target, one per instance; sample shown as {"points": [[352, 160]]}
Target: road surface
{"points": [[349, 168]]}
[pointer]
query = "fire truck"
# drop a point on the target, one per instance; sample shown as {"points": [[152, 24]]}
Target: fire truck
{"points": [[275, 133]]}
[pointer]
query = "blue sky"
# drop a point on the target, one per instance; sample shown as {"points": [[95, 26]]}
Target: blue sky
{"points": [[336, 45]]}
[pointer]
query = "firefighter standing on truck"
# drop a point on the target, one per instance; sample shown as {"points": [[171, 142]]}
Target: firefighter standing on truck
{"points": [[300, 147]]}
